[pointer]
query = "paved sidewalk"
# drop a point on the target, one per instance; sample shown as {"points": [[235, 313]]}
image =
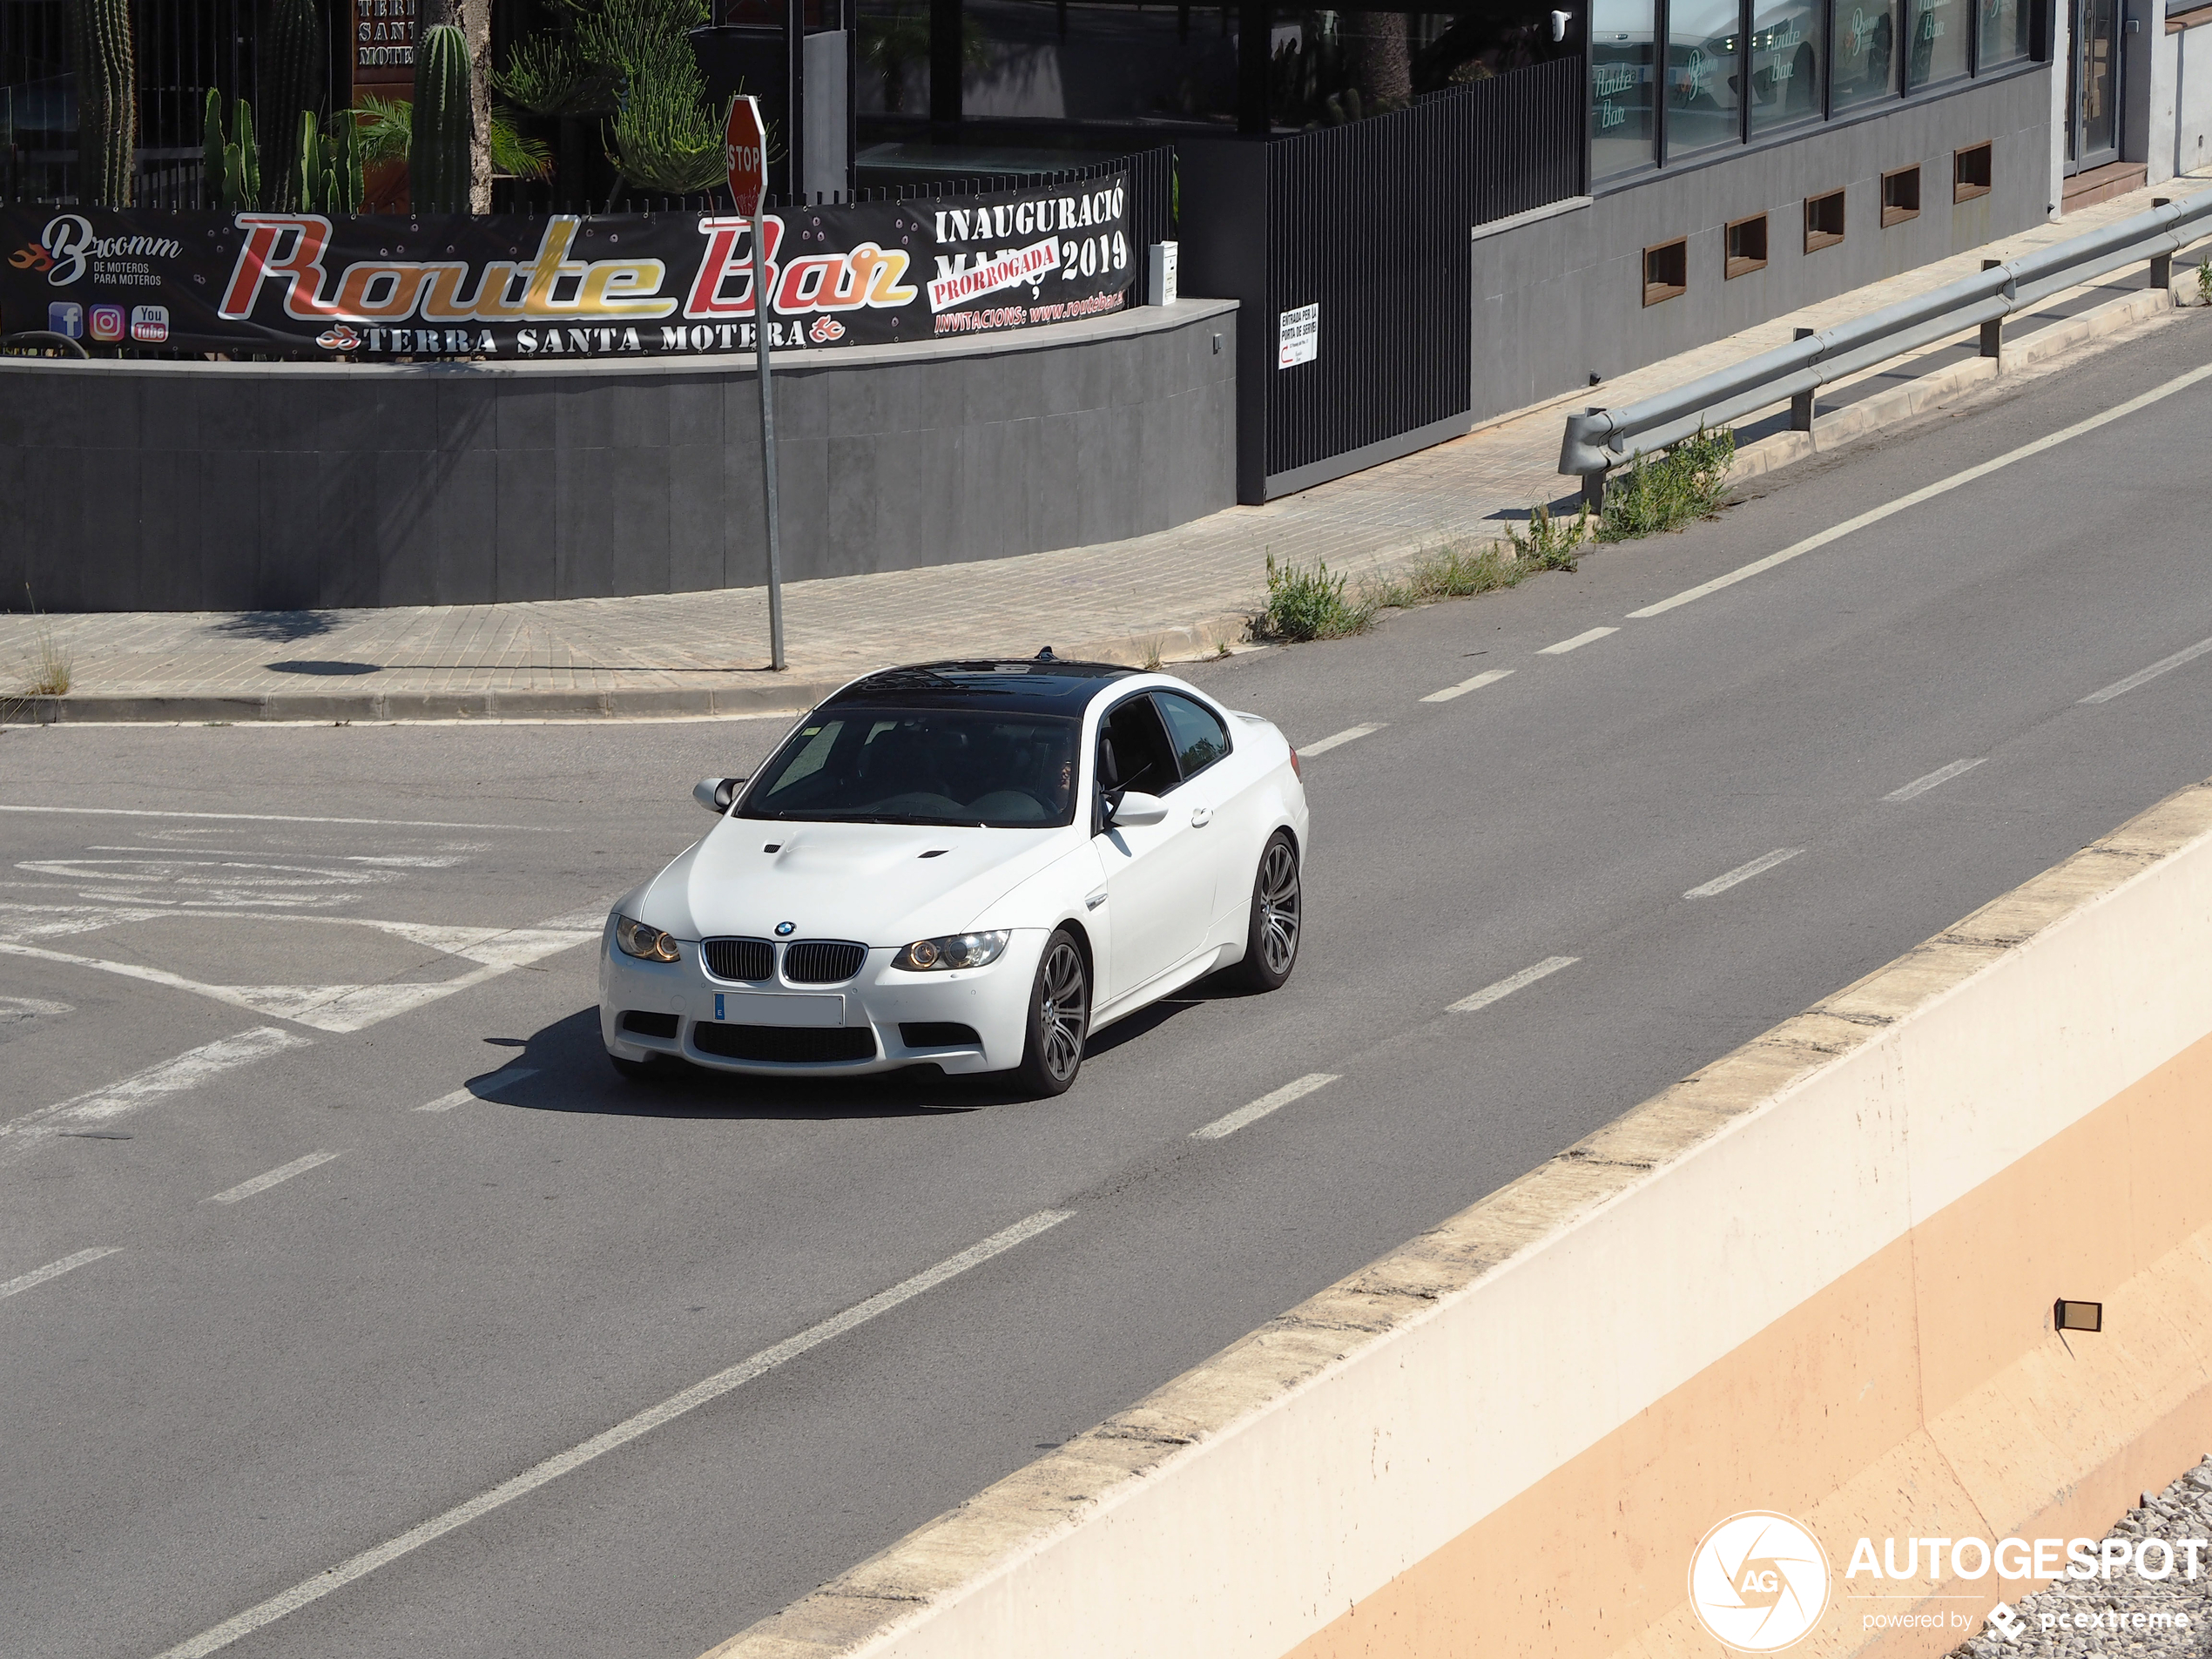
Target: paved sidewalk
{"points": [[1177, 593]]}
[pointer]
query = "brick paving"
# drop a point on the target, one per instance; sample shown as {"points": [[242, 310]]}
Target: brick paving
{"points": [[1177, 592]]}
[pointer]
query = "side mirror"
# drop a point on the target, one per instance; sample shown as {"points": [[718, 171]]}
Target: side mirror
{"points": [[716, 793], [1134, 811]]}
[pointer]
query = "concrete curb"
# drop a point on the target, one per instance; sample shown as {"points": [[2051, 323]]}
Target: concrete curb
{"points": [[1099, 1478], [1946, 385]]}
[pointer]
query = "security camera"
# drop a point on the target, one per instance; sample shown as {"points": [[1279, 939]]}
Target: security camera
{"points": [[1560, 20]]}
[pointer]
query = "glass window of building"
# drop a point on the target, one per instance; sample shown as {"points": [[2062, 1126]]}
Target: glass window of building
{"points": [[1326, 68], [1704, 75], [2004, 33], [1622, 133], [1785, 63], [1081, 60], [1863, 57], [1939, 40], [891, 76]]}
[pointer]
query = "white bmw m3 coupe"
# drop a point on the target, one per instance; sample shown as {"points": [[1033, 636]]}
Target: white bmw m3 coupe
{"points": [[972, 864]]}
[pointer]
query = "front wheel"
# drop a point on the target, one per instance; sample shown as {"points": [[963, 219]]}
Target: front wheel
{"points": [[1059, 1018], [1278, 917]]}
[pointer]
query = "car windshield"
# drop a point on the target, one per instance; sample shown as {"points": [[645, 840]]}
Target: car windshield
{"points": [[921, 767]]}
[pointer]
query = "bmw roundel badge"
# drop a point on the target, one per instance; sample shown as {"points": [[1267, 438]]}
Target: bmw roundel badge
{"points": [[785, 929]]}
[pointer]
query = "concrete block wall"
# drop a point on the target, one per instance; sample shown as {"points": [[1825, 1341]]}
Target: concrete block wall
{"points": [[1561, 298], [173, 486], [1816, 1277]]}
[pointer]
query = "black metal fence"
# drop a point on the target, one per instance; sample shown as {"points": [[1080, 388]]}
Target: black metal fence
{"points": [[1357, 235], [183, 47]]}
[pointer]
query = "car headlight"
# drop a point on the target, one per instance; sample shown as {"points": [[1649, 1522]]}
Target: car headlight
{"points": [[955, 950], [648, 944]]}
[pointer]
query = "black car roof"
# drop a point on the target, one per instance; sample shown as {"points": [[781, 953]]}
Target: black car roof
{"points": [[1015, 685]]}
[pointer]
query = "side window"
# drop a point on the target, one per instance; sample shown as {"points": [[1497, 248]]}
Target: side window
{"points": [[1198, 734], [1133, 752]]}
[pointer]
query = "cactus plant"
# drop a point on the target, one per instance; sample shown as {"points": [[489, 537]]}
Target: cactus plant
{"points": [[231, 167], [105, 60], [330, 165], [439, 165], [290, 69]]}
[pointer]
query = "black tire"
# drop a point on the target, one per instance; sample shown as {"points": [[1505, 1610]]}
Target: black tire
{"points": [[1059, 1017], [652, 1069], [1278, 918]]}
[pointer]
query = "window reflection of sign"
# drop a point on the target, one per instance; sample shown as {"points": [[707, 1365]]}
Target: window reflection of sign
{"points": [[770, 14], [383, 40]]}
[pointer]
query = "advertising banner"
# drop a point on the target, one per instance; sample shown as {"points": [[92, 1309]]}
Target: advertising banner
{"points": [[381, 286]]}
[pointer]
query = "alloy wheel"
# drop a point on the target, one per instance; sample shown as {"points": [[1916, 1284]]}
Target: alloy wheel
{"points": [[1278, 908], [1063, 1011]]}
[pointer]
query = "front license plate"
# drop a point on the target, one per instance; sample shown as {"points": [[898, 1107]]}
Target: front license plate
{"points": [[765, 1008]]}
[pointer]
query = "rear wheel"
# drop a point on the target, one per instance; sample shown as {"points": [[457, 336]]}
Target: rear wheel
{"points": [[1278, 917], [1059, 1018]]}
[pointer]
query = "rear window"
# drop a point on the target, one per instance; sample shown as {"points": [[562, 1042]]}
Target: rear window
{"points": [[921, 767]]}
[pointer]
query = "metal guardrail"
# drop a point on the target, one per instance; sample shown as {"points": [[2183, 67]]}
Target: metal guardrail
{"points": [[1602, 439]]}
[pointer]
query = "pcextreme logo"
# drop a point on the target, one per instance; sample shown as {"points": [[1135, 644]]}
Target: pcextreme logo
{"points": [[1759, 1581]]}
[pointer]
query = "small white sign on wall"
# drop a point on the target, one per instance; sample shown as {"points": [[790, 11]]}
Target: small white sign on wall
{"points": [[1298, 336]]}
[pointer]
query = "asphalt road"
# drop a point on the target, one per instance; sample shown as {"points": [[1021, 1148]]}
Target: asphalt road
{"points": [[262, 1382]]}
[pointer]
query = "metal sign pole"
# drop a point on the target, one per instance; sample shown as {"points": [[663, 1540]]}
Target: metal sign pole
{"points": [[761, 328]]}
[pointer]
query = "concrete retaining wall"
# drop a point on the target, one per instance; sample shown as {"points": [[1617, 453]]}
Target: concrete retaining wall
{"points": [[1817, 1277], [172, 486]]}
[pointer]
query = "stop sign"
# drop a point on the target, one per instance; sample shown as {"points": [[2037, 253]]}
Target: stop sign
{"points": [[745, 143]]}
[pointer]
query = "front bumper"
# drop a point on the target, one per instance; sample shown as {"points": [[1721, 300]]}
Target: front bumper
{"points": [[993, 1002]]}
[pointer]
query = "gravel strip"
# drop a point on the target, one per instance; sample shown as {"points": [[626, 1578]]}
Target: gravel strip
{"points": [[2046, 1627]]}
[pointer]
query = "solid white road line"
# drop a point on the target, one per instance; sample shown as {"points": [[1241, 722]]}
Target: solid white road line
{"points": [[1575, 643], [2121, 688], [2117, 412], [480, 1089], [1488, 676], [187, 1070], [1940, 775], [263, 1182], [286, 817], [1343, 737], [1506, 987], [1260, 1107], [55, 1270], [1745, 871], [621, 1435]]}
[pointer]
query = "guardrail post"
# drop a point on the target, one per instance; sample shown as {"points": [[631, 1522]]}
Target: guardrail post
{"points": [[2161, 265], [1801, 409], [1992, 332], [1593, 482]]}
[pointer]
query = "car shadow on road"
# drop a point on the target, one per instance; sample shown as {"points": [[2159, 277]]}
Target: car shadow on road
{"points": [[571, 1075]]}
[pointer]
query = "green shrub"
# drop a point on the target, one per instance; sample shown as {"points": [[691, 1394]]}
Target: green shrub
{"points": [[1309, 604], [1549, 544], [1453, 572], [1687, 483]]}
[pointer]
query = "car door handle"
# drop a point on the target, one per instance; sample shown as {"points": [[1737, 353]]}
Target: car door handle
{"points": [[1201, 815]]}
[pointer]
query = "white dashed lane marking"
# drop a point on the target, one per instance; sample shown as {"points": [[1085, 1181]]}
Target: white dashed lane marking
{"points": [[1506, 987], [1745, 871], [1349, 734], [1940, 775], [483, 1088], [1489, 677], [2121, 688], [1222, 1127], [263, 1182], [1577, 643], [55, 1270]]}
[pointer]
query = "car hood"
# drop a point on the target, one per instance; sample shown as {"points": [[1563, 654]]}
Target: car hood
{"points": [[869, 882]]}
